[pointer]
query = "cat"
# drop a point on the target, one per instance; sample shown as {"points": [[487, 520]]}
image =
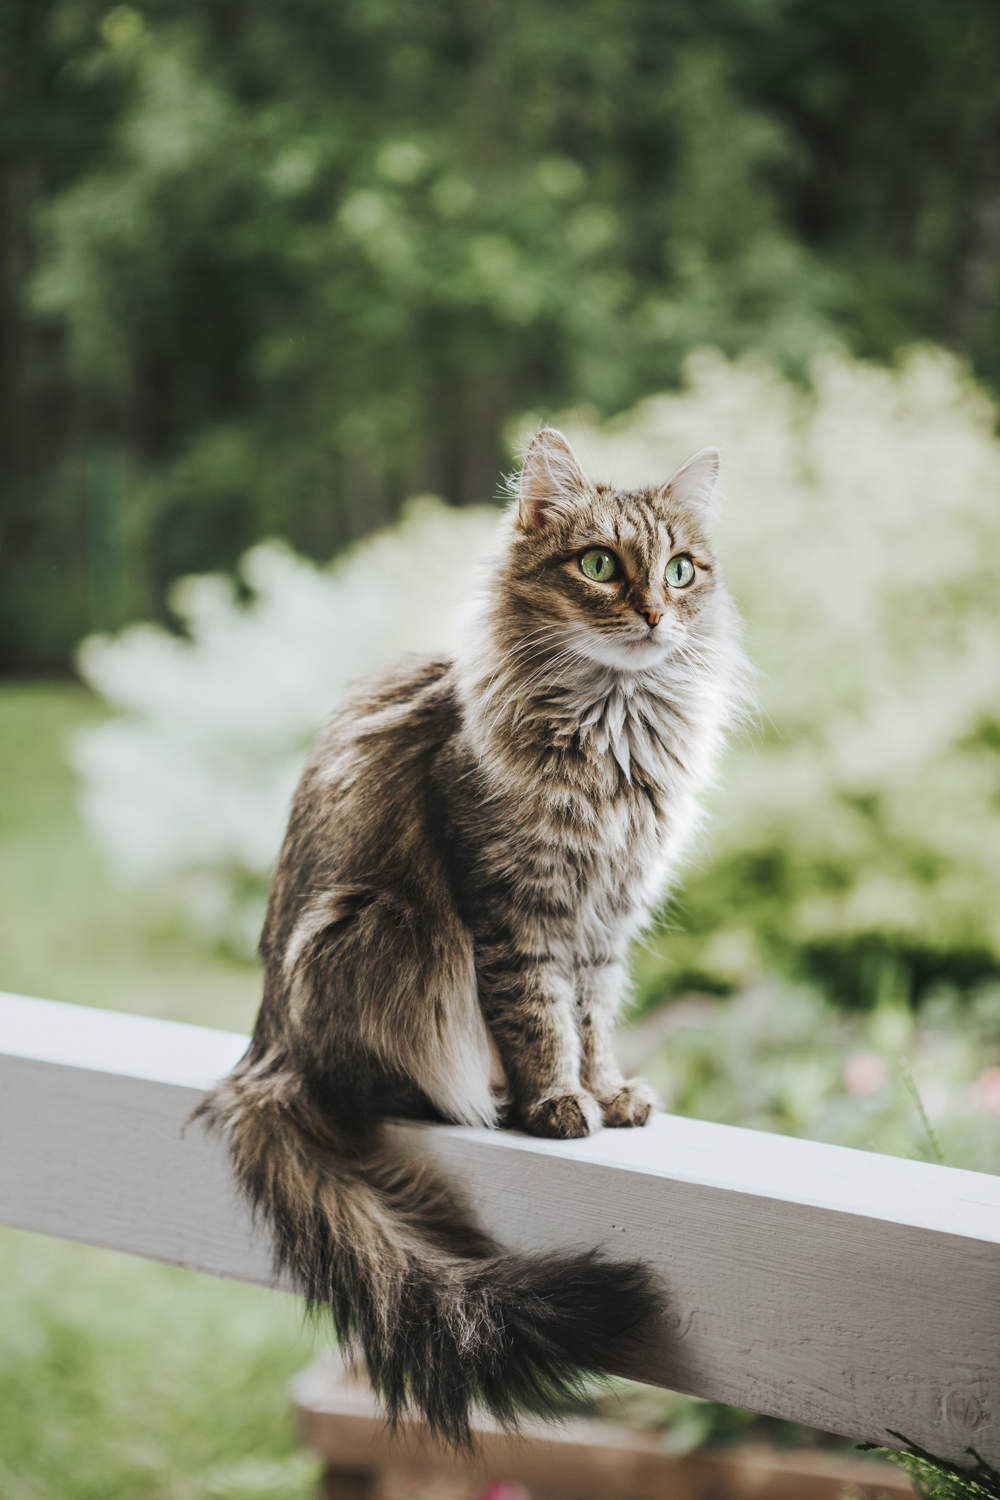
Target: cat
{"points": [[471, 848]]}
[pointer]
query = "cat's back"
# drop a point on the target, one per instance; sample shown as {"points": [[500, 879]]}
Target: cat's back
{"points": [[373, 750], [408, 705], [358, 812]]}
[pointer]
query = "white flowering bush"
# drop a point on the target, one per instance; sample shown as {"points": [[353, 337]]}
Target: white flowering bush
{"points": [[193, 774], [861, 537]]}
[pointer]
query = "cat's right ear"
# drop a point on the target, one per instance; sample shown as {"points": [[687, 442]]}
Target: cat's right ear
{"points": [[694, 482], [552, 481]]}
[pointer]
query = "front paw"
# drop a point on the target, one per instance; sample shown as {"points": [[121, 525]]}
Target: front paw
{"points": [[565, 1116], [632, 1105]]}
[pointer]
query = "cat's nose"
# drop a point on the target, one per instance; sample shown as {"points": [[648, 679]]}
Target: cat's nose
{"points": [[650, 614]]}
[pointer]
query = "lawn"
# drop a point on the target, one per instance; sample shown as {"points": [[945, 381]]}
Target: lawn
{"points": [[118, 1377], [67, 931]]}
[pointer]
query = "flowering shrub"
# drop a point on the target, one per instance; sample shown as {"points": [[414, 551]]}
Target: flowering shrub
{"points": [[193, 774], [861, 538]]}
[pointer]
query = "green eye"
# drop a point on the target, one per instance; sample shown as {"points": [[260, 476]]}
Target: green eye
{"points": [[680, 571], [600, 565]]}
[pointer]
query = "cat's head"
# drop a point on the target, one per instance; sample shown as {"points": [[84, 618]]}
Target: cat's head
{"points": [[620, 577]]}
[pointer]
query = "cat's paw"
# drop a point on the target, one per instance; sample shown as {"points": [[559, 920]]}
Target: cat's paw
{"points": [[564, 1116], [506, 1114], [631, 1105]]}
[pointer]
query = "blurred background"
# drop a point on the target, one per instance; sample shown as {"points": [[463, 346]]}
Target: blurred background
{"points": [[282, 288]]}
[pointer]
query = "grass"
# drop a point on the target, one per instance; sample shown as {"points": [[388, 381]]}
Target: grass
{"points": [[121, 1379], [67, 931]]}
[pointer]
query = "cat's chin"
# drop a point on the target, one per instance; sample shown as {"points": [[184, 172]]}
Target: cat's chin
{"points": [[629, 656]]}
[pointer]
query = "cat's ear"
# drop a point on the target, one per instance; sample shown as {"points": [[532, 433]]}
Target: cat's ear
{"points": [[552, 481], [694, 482]]}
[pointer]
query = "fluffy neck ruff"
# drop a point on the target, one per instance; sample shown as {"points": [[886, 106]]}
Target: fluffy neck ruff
{"points": [[530, 699]]}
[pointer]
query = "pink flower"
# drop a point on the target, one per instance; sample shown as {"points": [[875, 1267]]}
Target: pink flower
{"points": [[986, 1091], [864, 1073]]}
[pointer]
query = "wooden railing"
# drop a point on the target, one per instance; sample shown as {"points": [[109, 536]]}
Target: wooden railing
{"points": [[850, 1291]]}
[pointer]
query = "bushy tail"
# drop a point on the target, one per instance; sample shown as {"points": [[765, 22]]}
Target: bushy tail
{"points": [[444, 1318]]}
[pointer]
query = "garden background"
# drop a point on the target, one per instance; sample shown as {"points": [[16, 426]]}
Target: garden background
{"points": [[282, 290]]}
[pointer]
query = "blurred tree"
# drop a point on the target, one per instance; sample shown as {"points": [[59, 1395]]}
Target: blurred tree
{"points": [[276, 267], [896, 114], [53, 120]]}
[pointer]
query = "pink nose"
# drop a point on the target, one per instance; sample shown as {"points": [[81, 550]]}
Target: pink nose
{"points": [[651, 615]]}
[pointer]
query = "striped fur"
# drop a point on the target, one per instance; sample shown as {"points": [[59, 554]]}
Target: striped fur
{"points": [[472, 846]]}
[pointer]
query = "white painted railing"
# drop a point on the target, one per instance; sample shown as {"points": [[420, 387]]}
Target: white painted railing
{"points": [[854, 1292]]}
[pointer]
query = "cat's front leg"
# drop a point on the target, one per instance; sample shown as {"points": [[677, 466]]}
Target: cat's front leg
{"points": [[600, 983], [528, 1002]]}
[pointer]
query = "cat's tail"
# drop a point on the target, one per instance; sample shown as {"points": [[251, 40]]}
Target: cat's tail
{"points": [[445, 1319]]}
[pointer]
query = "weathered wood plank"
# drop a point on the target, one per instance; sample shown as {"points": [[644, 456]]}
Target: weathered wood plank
{"points": [[855, 1292], [582, 1457]]}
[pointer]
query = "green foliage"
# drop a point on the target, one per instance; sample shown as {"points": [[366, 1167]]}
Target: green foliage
{"points": [[687, 1423], [780, 1057], [273, 271], [67, 931], [937, 1480], [120, 1378]]}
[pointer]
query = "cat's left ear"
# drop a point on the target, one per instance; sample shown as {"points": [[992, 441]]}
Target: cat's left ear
{"points": [[552, 481], [694, 482]]}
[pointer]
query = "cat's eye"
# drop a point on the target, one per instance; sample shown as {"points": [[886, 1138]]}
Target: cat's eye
{"points": [[680, 571], [600, 565]]}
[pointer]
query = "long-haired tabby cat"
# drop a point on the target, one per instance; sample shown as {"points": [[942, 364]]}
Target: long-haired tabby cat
{"points": [[471, 848]]}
